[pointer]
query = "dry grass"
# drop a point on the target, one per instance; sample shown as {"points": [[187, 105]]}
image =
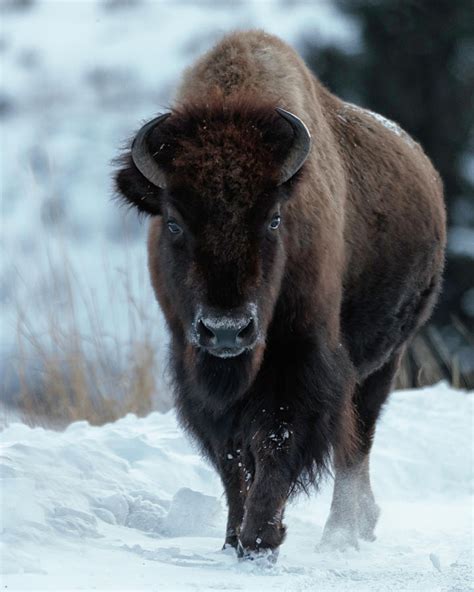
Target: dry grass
{"points": [[68, 386], [428, 360], [73, 368]]}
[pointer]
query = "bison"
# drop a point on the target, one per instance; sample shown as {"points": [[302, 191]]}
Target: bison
{"points": [[296, 244]]}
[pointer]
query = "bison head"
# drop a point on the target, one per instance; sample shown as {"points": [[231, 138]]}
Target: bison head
{"points": [[216, 177]]}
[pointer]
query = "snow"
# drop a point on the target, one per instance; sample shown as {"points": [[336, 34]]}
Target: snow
{"points": [[387, 123], [132, 506]]}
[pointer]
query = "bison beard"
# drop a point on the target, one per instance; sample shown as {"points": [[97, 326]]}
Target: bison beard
{"points": [[332, 291]]}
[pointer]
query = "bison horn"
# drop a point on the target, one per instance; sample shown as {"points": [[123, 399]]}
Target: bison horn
{"points": [[300, 148], [142, 157]]}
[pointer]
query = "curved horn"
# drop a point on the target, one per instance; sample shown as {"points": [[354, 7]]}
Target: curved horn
{"points": [[141, 156], [300, 148]]}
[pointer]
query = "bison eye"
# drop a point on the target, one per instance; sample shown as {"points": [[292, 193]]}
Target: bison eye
{"points": [[174, 227], [275, 223]]}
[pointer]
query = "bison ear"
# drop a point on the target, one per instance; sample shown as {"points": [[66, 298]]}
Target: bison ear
{"points": [[135, 189], [141, 178]]}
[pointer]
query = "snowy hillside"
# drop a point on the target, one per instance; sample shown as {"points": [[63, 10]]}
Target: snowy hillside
{"points": [[130, 505]]}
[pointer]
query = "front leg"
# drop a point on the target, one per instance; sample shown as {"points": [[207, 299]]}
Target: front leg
{"points": [[304, 410], [236, 480], [275, 454]]}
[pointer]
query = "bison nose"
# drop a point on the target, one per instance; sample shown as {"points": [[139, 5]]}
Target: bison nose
{"points": [[226, 335]]}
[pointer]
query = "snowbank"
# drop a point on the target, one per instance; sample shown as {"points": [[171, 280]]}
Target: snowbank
{"points": [[131, 505]]}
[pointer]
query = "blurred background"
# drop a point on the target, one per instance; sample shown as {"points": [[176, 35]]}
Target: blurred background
{"points": [[81, 334]]}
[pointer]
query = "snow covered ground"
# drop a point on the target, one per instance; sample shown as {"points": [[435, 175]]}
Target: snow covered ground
{"points": [[131, 506]]}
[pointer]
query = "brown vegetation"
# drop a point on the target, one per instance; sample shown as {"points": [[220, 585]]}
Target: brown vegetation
{"points": [[75, 371]]}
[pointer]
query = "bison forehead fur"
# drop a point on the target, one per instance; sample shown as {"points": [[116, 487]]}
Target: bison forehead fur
{"points": [[225, 150], [286, 333]]}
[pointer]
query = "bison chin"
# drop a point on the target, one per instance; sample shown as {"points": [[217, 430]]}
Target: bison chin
{"points": [[218, 383]]}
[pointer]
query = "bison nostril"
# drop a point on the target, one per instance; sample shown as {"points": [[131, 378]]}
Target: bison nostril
{"points": [[247, 332], [207, 337], [205, 330]]}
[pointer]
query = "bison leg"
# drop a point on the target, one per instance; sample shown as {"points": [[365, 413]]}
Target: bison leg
{"points": [[354, 512], [230, 469], [262, 529], [340, 530], [368, 510]]}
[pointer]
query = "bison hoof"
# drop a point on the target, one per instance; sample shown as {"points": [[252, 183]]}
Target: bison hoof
{"points": [[338, 538], [263, 556], [231, 542]]}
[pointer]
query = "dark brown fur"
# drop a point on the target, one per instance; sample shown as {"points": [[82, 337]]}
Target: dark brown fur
{"points": [[340, 288]]}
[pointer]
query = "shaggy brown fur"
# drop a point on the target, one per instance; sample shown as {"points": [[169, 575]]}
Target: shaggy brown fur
{"points": [[337, 290]]}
